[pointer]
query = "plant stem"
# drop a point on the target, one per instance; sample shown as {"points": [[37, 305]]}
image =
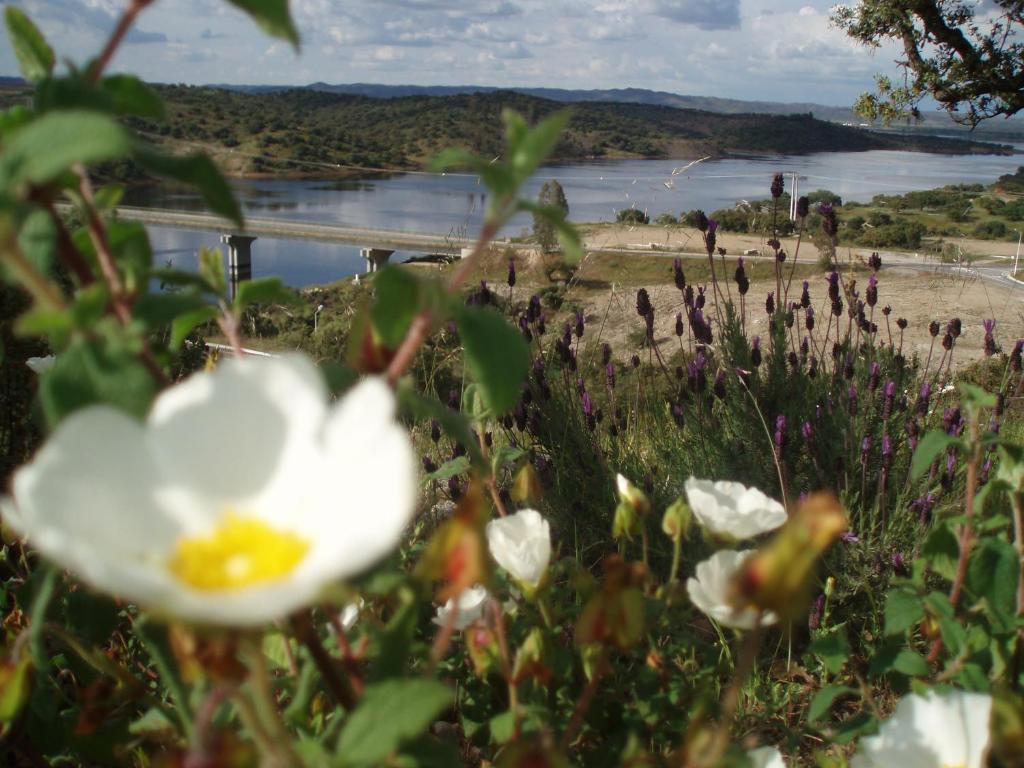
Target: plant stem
{"points": [[124, 24], [340, 687]]}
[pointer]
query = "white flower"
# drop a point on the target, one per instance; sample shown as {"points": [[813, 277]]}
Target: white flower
{"points": [[521, 544], [732, 510], [41, 365], [238, 500], [931, 731], [472, 603], [766, 757], [709, 591]]}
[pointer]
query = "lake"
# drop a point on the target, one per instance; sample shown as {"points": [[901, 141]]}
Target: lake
{"points": [[422, 202]]}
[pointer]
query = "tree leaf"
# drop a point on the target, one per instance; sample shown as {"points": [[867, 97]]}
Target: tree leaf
{"points": [[992, 575], [197, 170], [903, 610], [457, 466], [47, 147], [185, 323], [931, 445], [265, 290], [390, 712], [159, 309], [496, 355], [87, 373], [34, 54], [398, 301], [130, 96], [273, 16], [833, 649], [825, 698], [532, 148]]}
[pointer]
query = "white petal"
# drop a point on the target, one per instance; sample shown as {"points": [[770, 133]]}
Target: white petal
{"points": [[732, 510], [367, 490], [472, 603], [240, 435], [86, 500], [40, 365], [766, 757], [709, 591], [931, 731], [521, 544]]}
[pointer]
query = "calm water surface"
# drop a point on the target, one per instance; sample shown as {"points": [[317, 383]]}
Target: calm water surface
{"points": [[595, 191]]}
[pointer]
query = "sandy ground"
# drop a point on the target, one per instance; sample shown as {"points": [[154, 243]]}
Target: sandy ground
{"points": [[615, 236], [918, 293]]}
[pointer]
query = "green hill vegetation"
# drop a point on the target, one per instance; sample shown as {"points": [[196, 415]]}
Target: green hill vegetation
{"points": [[308, 132]]}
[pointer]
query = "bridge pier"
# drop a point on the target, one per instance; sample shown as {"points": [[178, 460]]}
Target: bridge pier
{"points": [[375, 258], [239, 259]]}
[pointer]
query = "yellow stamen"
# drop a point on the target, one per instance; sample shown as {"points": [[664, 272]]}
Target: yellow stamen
{"points": [[240, 552]]}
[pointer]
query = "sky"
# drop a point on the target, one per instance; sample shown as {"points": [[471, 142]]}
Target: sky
{"points": [[770, 50]]}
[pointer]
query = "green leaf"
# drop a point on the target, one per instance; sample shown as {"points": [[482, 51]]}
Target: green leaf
{"points": [[903, 610], [130, 96], [496, 355], [454, 423], [825, 698], [390, 712], [211, 269], [398, 301], [457, 466], [34, 54], [87, 373], [531, 149], [942, 550], [159, 309], [184, 324], [833, 650], [971, 394], [272, 16], [15, 684], [153, 723], [911, 664], [265, 290], [992, 575], [45, 148], [197, 170], [37, 239], [928, 450]]}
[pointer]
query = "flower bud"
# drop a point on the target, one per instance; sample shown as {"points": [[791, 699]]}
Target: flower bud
{"points": [[779, 576], [677, 519]]}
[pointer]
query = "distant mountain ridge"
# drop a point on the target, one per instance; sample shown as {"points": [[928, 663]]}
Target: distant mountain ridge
{"points": [[933, 121]]}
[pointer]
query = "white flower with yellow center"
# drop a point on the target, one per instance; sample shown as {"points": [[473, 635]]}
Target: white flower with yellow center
{"points": [[949, 730], [731, 510], [521, 544], [241, 497], [709, 591]]}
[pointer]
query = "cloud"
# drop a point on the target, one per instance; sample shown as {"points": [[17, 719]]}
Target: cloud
{"points": [[705, 14]]}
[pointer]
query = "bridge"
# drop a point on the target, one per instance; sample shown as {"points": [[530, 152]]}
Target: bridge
{"points": [[383, 239]]}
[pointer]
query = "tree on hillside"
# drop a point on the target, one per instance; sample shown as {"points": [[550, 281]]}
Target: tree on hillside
{"points": [[964, 54], [551, 196]]}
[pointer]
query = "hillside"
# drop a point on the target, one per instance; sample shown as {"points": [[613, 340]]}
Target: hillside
{"points": [[302, 131]]}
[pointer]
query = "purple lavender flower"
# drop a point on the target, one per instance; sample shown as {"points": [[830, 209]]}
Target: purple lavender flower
{"points": [[817, 613], [873, 377], [769, 303], [435, 431], [643, 302], [807, 431], [923, 399], [533, 309], [511, 273], [850, 538], [833, 286], [428, 465], [778, 185], [901, 323], [805, 296], [609, 375], [581, 322], [699, 301], [1016, 355], [933, 328], [679, 324], [871, 295], [742, 282], [755, 351], [701, 221], [990, 342], [803, 207], [852, 400], [524, 328], [829, 225], [888, 397], [680, 278], [635, 360], [719, 386], [780, 432], [809, 318]]}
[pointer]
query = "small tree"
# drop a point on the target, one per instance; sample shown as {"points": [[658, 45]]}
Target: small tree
{"points": [[551, 196]]}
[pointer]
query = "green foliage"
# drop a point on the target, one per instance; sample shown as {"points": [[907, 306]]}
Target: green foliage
{"points": [[496, 356], [34, 54]]}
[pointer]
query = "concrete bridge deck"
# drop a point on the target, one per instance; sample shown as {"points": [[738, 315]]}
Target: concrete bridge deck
{"points": [[422, 242]]}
